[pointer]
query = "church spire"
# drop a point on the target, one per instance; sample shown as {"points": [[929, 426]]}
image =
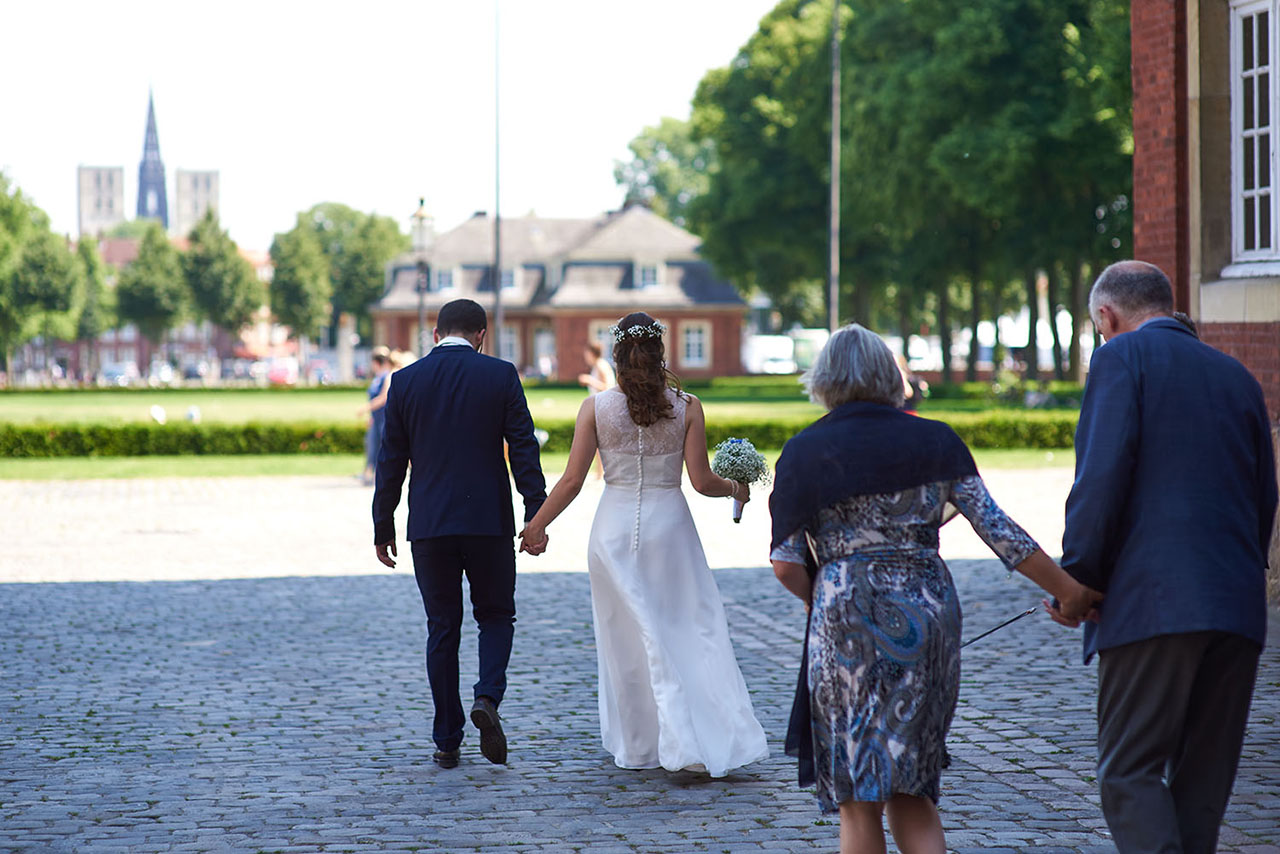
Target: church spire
{"points": [[152, 201]]}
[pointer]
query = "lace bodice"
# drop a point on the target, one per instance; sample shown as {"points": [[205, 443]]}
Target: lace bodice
{"points": [[646, 457]]}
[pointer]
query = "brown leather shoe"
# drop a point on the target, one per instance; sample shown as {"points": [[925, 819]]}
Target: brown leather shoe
{"points": [[447, 758], [493, 742]]}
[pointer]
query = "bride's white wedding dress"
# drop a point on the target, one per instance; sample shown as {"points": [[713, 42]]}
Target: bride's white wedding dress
{"points": [[671, 693]]}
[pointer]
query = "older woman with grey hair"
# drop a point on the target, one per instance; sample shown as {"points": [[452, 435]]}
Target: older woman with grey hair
{"points": [[857, 503]]}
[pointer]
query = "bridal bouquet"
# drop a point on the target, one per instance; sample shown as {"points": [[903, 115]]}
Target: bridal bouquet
{"points": [[738, 459]]}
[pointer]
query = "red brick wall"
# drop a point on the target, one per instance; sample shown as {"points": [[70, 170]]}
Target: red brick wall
{"points": [[571, 338], [1257, 345], [1160, 173], [726, 343]]}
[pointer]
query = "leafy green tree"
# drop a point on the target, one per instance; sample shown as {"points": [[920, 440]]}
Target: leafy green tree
{"points": [[300, 288], [980, 141], [130, 228], [223, 285], [151, 292], [357, 247], [19, 219], [97, 311], [763, 218], [44, 286], [363, 267], [668, 169], [45, 283]]}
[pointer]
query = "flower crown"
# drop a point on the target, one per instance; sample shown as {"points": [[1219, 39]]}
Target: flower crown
{"points": [[644, 330]]}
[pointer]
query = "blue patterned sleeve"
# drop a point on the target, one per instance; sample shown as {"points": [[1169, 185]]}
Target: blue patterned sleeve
{"points": [[792, 549], [1006, 537]]}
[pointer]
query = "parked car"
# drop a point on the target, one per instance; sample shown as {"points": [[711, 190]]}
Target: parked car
{"points": [[160, 373], [320, 371], [283, 371], [118, 374], [195, 370]]}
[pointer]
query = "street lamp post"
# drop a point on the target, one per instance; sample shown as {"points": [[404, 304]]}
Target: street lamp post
{"points": [[421, 243]]}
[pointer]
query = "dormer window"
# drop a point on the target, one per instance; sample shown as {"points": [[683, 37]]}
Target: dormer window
{"points": [[646, 276], [444, 280], [508, 279]]}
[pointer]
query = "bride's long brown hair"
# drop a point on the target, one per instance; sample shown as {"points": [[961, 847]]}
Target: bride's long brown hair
{"points": [[642, 373]]}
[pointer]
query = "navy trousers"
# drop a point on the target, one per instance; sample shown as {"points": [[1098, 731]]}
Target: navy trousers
{"points": [[490, 566]]}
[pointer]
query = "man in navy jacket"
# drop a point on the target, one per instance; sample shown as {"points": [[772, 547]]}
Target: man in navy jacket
{"points": [[1170, 516], [448, 414]]}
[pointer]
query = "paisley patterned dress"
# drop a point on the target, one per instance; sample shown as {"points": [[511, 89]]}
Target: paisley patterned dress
{"points": [[884, 636]]}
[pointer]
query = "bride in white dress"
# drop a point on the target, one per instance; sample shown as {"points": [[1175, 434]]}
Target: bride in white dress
{"points": [[671, 693]]}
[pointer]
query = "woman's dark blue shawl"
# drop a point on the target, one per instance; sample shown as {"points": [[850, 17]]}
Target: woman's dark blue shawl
{"points": [[860, 449], [856, 449]]}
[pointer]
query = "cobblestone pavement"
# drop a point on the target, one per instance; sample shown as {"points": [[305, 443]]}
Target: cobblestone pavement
{"points": [[291, 713]]}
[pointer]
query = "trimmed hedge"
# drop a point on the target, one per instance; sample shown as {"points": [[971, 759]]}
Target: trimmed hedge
{"points": [[147, 439], [979, 430]]}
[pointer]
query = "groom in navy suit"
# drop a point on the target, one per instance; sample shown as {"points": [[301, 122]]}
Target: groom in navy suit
{"points": [[1170, 516], [448, 414]]}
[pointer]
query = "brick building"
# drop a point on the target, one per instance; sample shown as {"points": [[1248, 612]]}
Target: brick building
{"points": [[565, 282], [1205, 106]]}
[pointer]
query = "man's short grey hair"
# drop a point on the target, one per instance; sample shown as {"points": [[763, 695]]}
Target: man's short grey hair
{"points": [[856, 364], [1135, 289]]}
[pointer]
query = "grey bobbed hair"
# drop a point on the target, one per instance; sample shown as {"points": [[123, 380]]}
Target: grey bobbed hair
{"points": [[855, 364]]}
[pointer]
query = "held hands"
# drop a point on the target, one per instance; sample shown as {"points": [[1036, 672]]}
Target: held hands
{"points": [[1080, 604], [533, 539], [383, 548], [740, 491]]}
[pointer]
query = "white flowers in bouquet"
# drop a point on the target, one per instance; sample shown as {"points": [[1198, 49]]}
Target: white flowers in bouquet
{"points": [[738, 460]]}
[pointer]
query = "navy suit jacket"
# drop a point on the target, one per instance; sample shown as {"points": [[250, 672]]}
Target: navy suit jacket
{"points": [[1175, 490], [448, 413]]}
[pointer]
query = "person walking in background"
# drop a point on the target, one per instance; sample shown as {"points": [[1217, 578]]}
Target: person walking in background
{"points": [[600, 377], [914, 388], [671, 693], [1171, 516], [858, 498], [381, 362], [448, 415]]}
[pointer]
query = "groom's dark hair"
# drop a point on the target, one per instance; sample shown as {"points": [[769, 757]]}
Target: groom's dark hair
{"points": [[461, 315]]}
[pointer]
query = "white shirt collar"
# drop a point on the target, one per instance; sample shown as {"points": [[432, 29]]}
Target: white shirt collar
{"points": [[453, 339]]}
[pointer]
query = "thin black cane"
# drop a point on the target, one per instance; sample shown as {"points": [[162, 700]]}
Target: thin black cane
{"points": [[1025, 613]]}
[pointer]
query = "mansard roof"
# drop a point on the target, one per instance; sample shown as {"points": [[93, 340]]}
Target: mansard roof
{"points": [[567, 263]]}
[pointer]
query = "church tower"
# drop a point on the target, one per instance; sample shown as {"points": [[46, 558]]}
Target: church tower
{"points": [[152, 203]]}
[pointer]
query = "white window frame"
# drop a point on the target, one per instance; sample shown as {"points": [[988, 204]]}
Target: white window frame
{"points": [[443, 279], [702, 361], [1240, 10], [507, 278], [509, 344], [640, 277]]}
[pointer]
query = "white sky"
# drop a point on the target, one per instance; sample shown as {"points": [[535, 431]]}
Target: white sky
{"points": [[371, 103]]}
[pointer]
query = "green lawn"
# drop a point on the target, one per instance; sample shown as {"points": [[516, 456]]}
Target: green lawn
{"points": [[85, 468], [239, 406]]}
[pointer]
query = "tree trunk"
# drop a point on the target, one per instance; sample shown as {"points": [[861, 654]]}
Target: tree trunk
{"points": [[1033, 321], [1053, 282], [904, 319], [1076, 299], [975, 317], [997, 347], [861, 303], [944, 332]]}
